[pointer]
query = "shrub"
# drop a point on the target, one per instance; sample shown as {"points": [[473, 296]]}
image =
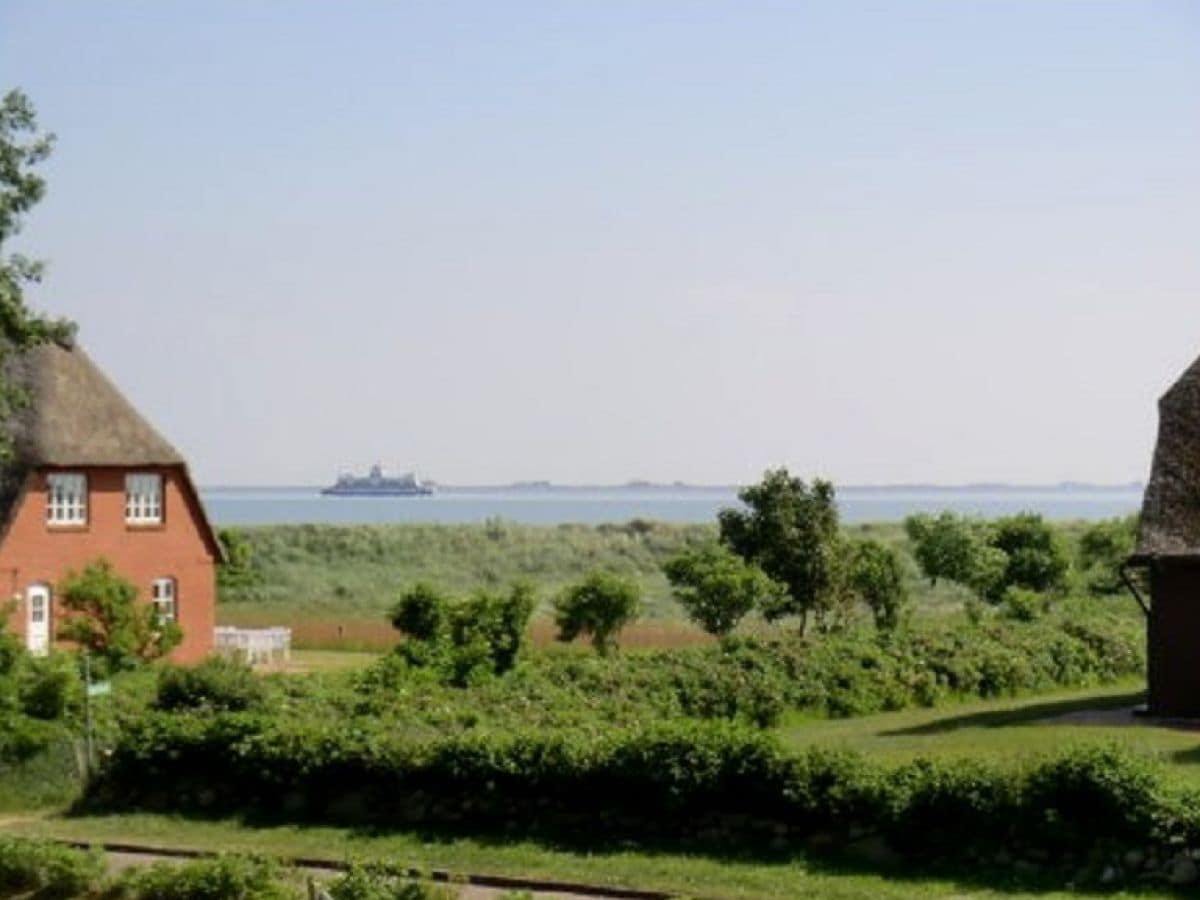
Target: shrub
{"points": [[216, 683], [1036, 558], [1024, 605], [47, 869], [709, 786], [466, 640], [380, 882], [421, 613], [946, 545], [598, 606], [717, 588], [874, 572], [220, 878], [106, 619], [1103, 549], [50, 687]]}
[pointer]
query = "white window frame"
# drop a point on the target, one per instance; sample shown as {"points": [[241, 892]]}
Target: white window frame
{"points": [[66, 498], [164, 594], [143, 498]]}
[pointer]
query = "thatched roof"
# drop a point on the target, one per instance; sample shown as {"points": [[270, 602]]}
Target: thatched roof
{"points": [[73, 415], [1170, 521]]}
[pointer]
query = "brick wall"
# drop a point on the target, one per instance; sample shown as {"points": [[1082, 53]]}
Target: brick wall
{"points": [[33, 552]]}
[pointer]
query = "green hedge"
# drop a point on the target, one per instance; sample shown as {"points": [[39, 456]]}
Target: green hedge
{"points": [[685, 784], [47, 870]]}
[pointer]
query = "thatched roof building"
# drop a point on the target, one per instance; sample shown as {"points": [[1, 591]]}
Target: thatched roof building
{"points": [[72, 415], [1170, 520], [1168, 550]]}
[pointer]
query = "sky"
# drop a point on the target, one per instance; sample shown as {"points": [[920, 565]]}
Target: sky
{"points": [[877, 242]]}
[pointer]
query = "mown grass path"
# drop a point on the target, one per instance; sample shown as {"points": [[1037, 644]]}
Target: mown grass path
{"points": [[1009, 729]]}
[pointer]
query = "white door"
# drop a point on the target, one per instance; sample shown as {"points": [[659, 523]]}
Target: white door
{"points": [[37, 632]]}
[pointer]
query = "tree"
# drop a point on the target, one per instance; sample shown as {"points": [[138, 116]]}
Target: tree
{"points": [[875, 573], [790, 531], [718, 588], [22, 147], [598, 606], [946, 545], [1103, 549], [1037, 559], [105, 618]]}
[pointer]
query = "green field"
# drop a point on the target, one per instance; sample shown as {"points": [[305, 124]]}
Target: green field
{"points": [[334, 584]]}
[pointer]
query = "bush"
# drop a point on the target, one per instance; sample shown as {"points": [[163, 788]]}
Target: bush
{"points": [[598, 606], [1103, 549], [467, 640], [50, 686], [1024, 605], [380, 882], [220, 878], [678, 784], [47, 869], [106, 619], [718, 588], [215, 684]]}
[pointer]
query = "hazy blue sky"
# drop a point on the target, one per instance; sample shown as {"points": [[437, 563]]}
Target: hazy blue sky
{"points": [[592, 241]]}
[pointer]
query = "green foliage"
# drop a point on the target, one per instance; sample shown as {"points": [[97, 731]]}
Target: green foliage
{"points": [[50, 687], [228, 877], [875, 574], [238, 571], [703, 786], [1103, 548], [1022, 551], [717, 588], [380, 882], [22, 147], [105, 618], [466, 640], [1037, 559], [421, 612], [946, 545], [1024, 605], [216, 683], [599, 606], [46, 869], [790, 531]]}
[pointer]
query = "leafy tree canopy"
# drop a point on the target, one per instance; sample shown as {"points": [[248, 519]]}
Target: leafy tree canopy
{"points": [[718, 588], [106, 619], [599, 606], [22, 147], [1103, 549], [790, 531], [875, 573]]}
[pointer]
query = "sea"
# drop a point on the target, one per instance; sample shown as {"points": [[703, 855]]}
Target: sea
{"points": [[555, 505]]}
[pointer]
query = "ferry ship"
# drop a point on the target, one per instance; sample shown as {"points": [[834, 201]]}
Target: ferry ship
{"points": [[377, 484]]}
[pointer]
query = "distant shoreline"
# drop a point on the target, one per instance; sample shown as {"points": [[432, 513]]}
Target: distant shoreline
{"points": [[992, 487]]}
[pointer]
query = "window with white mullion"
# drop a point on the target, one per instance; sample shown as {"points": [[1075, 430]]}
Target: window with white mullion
{"points": [[162, 594], [143, 498], [66, 498]]}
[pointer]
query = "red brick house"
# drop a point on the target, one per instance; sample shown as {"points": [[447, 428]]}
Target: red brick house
{"points": [[88, 477]]}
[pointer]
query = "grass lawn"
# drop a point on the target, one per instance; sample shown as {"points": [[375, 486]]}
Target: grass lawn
{"points": [[1007, 729], [679, 873]]}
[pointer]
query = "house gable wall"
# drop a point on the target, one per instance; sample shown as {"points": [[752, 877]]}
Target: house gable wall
{"points": [[32, 552]]}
